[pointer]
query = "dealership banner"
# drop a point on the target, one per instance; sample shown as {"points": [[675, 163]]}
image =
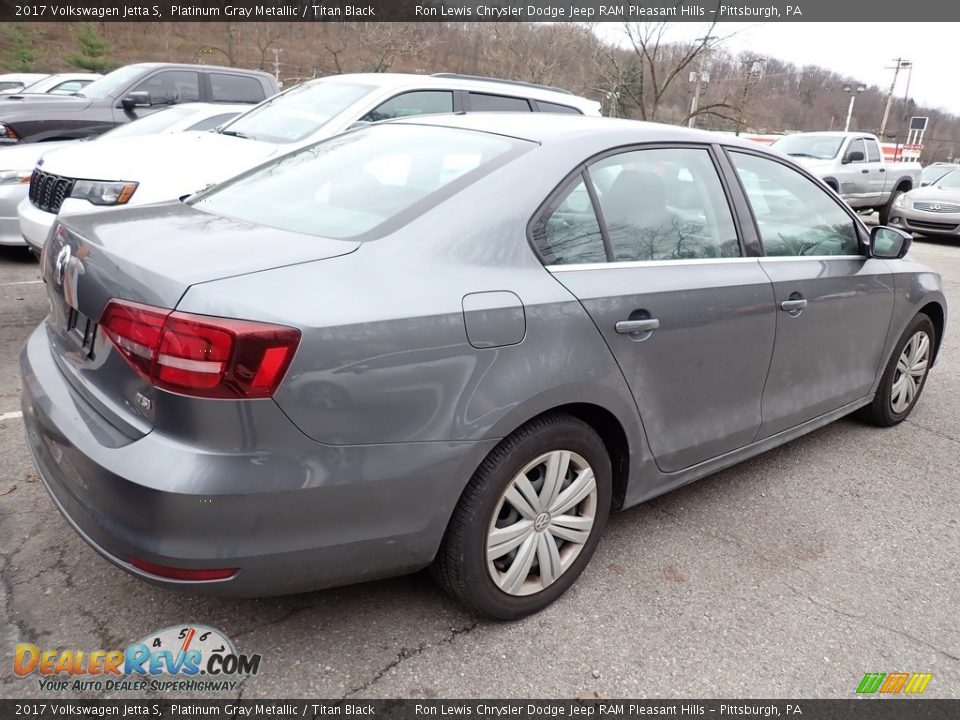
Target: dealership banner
{"points": [[863, 709], [479, 11]]}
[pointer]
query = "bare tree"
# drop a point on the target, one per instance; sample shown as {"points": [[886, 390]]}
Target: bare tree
{"points": [[641, 77]]}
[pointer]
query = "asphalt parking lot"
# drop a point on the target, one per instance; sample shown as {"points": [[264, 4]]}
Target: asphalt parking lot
{"points": [[791, 575]]}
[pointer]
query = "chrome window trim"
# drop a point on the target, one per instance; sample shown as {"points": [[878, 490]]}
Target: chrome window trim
{"points": [[694, 261]]}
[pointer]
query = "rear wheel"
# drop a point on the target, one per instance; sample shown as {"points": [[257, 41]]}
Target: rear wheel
{"points": [[905, 375], [529, 520]]}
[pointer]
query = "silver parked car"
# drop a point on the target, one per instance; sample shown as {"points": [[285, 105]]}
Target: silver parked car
{"points": [[456, 342], [931, 210]]}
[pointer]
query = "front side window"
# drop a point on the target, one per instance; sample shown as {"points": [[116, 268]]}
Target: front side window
{"points": [[171, 87], [422, 102], [857, 146], [567, 231], [363, 183], [664, 204], [298, 113], [795, 216]]}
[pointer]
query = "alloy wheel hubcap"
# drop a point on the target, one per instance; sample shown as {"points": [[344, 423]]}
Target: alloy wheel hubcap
{"points": [[910, 372], [541, 523]]}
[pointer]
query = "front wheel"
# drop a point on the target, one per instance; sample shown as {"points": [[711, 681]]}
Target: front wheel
{"points": [[884, 212], [905, 375], [529, 520]]}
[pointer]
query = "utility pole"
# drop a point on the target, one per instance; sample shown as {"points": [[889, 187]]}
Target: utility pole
{"points": [[853, 96], [906, 105], [900, 63], [276, 64], [699, 76]]}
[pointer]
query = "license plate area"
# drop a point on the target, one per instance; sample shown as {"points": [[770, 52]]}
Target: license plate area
{"points": [[81, 329]]}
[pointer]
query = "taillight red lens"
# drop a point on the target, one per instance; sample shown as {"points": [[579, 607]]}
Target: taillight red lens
{"points": [[196, 574], [200, 355]]}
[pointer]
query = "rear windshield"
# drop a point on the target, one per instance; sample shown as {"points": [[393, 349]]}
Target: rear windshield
{"points": [[361, 184], [298, 113]]}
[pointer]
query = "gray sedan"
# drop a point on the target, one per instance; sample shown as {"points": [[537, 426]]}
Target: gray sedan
{"points": [[930, 210], [456, 342]]}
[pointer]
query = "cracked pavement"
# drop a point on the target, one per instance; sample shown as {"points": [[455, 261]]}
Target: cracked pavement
{"points": [[790, 575]]}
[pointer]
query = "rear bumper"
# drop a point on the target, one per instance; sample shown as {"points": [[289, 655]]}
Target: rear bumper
{"points": [[309, 517]]}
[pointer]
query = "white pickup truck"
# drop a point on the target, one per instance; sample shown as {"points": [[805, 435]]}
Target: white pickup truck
{"points": [[852, 163]]}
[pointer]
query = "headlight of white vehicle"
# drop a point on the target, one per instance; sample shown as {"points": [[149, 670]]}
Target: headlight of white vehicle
{"points": [[900, 200], [104, 193], [7, 135], [15, 177]]}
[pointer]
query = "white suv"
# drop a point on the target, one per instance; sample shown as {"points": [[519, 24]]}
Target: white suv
{"points": [[157, 169]]}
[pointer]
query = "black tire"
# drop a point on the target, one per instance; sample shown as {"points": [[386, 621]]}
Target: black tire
{"points": [[461, 568], [881, 411], [883, 213]]}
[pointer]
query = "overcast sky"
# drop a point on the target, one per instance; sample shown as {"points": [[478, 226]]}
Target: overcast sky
{"points": [[861, 50]]}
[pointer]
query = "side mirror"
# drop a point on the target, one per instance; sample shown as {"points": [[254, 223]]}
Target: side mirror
{"points": [[889, 243], [853, 156], [140, 98]]}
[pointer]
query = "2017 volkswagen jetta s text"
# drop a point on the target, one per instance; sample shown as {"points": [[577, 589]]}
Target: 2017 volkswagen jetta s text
{"points": [[455, 342]]}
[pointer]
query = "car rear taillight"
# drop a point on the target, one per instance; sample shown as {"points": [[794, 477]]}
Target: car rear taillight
{"points": [[200, 355]]}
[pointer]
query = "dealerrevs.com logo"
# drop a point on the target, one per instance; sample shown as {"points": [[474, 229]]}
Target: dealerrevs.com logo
{"points": [[180, 658]]}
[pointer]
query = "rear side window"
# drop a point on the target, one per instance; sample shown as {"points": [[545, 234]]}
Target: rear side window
{"points": [[555, 108], [361, 184], [422, 102], [664, 204], [567, 231], [482, 102], [235, 88], [873, 151]]}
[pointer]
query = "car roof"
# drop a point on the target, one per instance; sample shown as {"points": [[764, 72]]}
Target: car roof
{"points": [[462, 82], [195, 66], [544, 128]]}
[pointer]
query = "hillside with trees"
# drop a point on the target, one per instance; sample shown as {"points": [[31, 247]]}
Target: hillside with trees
{"points": [[646, 76]]}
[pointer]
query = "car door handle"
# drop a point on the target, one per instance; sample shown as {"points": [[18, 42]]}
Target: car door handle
{"points": [[793, 305], [864, 171], [883, 169], [628, 327]]}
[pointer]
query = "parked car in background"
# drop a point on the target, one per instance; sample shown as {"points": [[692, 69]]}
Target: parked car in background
{"points": [[14, 82], [455, 341], [931, 173], [852, 163], [17, 163], [59, 84], [127, 94], [931, 210], [165, 168]]}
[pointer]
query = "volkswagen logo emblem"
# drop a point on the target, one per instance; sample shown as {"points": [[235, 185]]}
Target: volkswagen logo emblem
{"points": [[542, 522], [60, 266]]}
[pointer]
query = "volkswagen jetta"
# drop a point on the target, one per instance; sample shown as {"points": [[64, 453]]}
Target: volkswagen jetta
{"points": [[455, 342]]}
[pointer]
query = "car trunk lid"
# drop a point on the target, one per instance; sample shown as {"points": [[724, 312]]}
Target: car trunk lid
{"points": [[149, 255]]}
